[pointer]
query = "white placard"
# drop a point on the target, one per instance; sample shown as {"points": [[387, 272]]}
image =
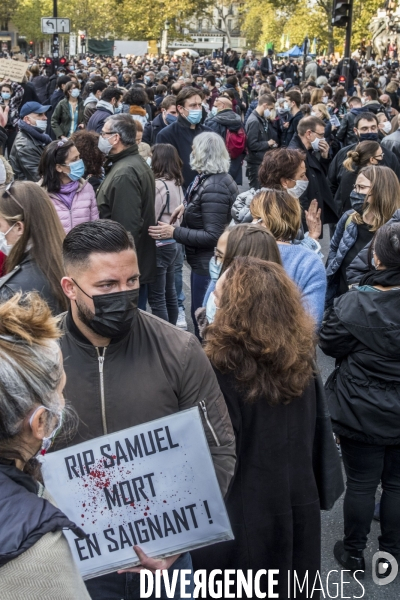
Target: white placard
{"points": [[153, 485], [55, 25]]}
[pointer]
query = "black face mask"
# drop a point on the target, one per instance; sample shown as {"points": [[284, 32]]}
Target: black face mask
{"points": [[357, 201], [114, 313], [373, 137]]}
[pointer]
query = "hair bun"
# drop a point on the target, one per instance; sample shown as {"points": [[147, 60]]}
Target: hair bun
{"points": [[353, 154]]}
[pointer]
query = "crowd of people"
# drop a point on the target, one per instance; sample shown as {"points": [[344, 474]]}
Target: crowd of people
{"points": [[117, 175]]}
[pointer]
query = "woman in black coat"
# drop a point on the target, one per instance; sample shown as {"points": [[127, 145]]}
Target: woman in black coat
{"points": [[209, 199], [364, 154], [363, 334], [34, 237], [259, 329]]}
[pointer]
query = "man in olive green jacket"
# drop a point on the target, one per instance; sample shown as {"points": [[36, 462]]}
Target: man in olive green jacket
{"points": [[127, 194]]}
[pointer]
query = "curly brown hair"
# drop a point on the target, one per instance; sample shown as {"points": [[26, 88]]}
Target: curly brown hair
{"points": [[262, 334], [87, 144], [279, 164]]}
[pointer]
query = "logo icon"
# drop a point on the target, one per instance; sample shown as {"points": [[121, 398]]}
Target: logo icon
{"points": [[384, 568]]}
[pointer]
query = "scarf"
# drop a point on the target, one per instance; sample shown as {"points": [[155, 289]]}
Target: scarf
{"points": [[34, 132], [15, 102], [137, 110], [384, 277], [196, 183], [67, 193], [106, 105]]}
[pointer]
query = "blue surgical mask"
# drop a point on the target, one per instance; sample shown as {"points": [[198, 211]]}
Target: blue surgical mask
{"points": [[211, 309], [77, 170], [194, 116], [214, 269], [5, 95], [214, 110], [117, 109], [41, 124], [75, 93], [170, 119]]}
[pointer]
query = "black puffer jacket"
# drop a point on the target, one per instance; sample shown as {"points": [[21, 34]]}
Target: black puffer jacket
{"points": [[205, 218], [359, 266], [25, 516], [363, 393]]}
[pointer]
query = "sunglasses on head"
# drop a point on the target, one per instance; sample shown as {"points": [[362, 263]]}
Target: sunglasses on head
{"points": [[7, 194]]}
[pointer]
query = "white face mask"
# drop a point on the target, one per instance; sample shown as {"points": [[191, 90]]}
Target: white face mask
{"points": [[313, 113], [4, 247], [104, 145], [286, 105], [387, 126], [315, 144], [3, 174], [267, 113], [299, 188], [325, 99], [41, 124]]}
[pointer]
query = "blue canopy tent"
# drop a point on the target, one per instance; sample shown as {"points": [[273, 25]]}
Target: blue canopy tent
{"points": [[293, 52]]}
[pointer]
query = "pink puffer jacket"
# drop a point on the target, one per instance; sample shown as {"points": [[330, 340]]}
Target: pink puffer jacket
{"points": [[83, 208]]}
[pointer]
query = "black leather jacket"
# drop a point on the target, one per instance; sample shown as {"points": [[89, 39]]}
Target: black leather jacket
{"points": [[27, 277], [25, 157]]}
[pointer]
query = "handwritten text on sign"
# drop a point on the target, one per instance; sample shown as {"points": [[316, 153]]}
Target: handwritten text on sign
{"points": [[12, 69], [153, 485]]}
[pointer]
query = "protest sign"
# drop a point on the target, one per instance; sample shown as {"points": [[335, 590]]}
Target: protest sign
{"points": [[13, 70], [152, 485]]}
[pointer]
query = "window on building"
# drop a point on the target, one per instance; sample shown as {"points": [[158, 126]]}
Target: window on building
{"points": [[219, 23], [199, 27], [229, 24]]}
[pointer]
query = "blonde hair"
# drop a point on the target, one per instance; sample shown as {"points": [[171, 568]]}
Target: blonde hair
{"points": [[279, 211], [384, 196], [323, 110], [359, 157], [316, 96]]}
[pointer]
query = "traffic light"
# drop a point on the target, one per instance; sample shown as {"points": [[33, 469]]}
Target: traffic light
{"points": [[49, 62], [31, 44], [342, 80], [83, 39], [340, 13], [62, 62]]}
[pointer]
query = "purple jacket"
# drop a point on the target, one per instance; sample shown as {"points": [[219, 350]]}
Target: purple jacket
{"points": [[83, 208]]}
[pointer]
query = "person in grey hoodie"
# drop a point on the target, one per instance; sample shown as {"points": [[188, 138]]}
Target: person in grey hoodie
{"points": [[91, 101]]}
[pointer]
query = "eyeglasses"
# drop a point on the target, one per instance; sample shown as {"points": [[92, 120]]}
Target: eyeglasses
{"points": [[379, 156], [218, 255], [319, 135], [361, 189], [103, 133]]}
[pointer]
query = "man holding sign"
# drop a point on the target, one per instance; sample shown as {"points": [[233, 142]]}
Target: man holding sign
{"points": [[126, 367]]}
